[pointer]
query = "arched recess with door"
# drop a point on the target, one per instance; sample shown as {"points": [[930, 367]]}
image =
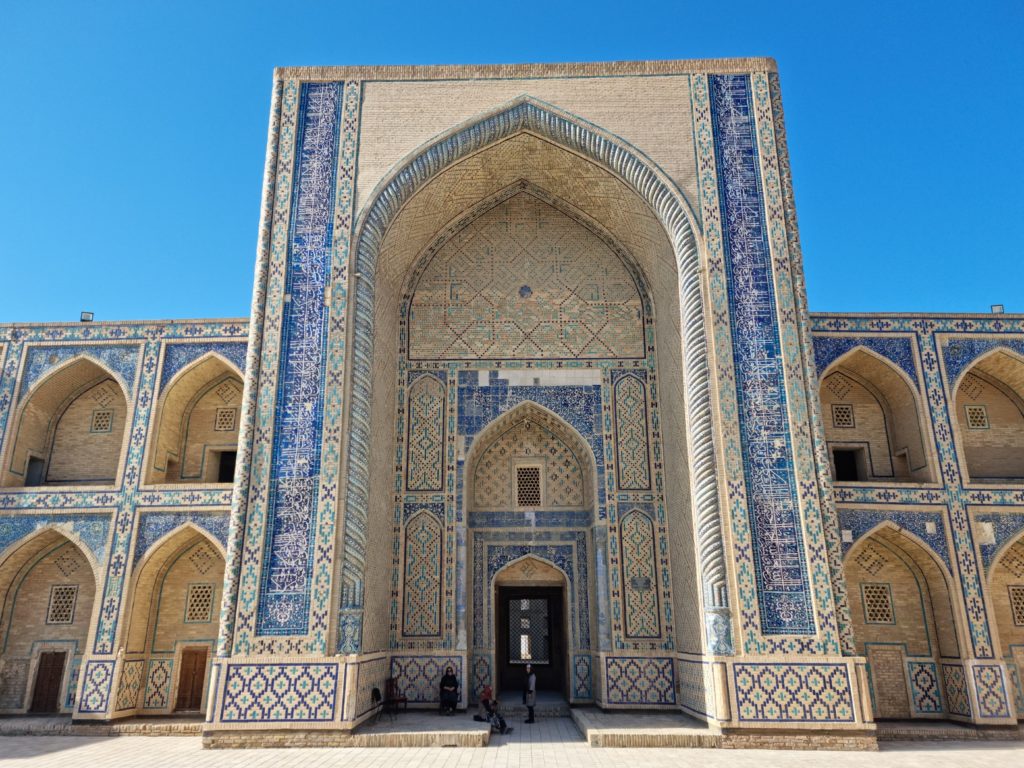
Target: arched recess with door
{"points": [[904, 624], [195, 437], [48, 585], [70, 429], [1006, 586], [989, 414], [873, 421], [173, 623]]}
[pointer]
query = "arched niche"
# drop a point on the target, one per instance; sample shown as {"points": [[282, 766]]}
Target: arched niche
{"points": [[70, 429], [429, 196], [174, 618], [529, 459], [903, 620], [48, 584], [1006, 586], [873, 421], [196, 426], [989, 414]]}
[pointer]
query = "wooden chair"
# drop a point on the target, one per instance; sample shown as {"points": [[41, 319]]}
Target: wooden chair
{"points": [[378, 705], [393, 696]]}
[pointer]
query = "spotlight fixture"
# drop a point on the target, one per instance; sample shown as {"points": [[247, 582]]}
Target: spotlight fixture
{"points": [[998, 309], [86, 317]]}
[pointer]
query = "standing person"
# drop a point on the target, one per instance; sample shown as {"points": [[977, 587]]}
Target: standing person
{"points": [[530, 692]]}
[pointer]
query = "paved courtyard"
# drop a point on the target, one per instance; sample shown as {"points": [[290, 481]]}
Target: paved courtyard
{"points": [[550, 743]]}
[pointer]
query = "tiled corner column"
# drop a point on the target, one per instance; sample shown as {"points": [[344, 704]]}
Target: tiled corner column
{"points": [[275, 664], [789, 670]]}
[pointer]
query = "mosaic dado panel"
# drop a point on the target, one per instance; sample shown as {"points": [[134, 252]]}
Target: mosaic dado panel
{"points": [[419, 677], [783, 588], [158, 684], [130, 685], [798, 693], [925, 691], [282, 693], [958, 700], [990, 685], [639, 681], [98, 675]]}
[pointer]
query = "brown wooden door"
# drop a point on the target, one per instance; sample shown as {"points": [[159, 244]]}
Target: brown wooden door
{"points": [[49, 675], [191, 679]]}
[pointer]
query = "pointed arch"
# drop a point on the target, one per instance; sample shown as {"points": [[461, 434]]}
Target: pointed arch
{"points": [[552, 427], [196, 420], [541, 576], [988, 417], [425, 436], [640, 582], [94, 397], [872, 408], [372, 294], [49, 581]]}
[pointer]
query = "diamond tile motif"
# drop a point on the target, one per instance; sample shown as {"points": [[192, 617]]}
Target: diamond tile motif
{"points": [[279, 693], [421, 610], [793, 693]]}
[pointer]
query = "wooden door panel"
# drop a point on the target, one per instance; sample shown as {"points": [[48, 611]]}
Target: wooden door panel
{"points": [[49, 676]]}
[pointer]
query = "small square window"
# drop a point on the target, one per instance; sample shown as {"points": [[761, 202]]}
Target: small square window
{"points": [[1017, 603], [61, 609], [842, 416], [528, 486], [199, 604], [225, 420], [977, 416], [878, 604], [102, 421]]}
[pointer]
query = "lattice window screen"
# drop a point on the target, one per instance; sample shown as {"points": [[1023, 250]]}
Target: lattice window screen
{"points": [[977, 417], [102, 421], [842, 416], [61, 609], [528, 631], [1017, 603], [225, 420], [199, 604], [878, 608], [528, 486]]}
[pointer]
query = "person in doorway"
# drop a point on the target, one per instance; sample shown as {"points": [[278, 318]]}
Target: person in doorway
{"points": [[449, 692], [530, 692]]}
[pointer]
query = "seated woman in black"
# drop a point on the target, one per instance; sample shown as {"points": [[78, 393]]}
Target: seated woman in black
{"points": [[449, 692]]}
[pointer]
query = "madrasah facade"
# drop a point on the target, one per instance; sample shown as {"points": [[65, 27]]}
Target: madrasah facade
{"points": [[529, 376]]}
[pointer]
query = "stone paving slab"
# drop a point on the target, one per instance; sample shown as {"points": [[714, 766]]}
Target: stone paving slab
{"points": [[540, 747]]}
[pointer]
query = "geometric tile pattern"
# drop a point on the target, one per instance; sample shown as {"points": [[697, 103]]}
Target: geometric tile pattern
{"points": [[631, 434], [528, 440], [130, 686], [957, 699], [640, 680], [794, 693], [898, 349], [991, 690], [96, 692], [279, 693], [158, 684], [419, 677], [425, 463], [295, 462], [582, 684], [639, 575], [924, 687], [538, 300], [40, 360], [76, 667], [784, 594], [421, 612]]}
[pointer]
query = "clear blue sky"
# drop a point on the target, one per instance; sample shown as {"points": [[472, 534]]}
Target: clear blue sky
{"points": [[132, 135]]}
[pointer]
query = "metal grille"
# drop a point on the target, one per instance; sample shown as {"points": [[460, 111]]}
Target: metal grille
{"points": [[529, 640], [977, 416], [528, 486], [199, 604], [842, 416]]}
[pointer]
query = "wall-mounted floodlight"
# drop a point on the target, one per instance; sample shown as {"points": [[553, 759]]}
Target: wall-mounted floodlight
{"points": [[998, 309], [86, 317]]}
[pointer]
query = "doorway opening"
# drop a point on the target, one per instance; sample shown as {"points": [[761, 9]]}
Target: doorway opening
{"points": [[191, 680], [49, 676], [531, 630]]}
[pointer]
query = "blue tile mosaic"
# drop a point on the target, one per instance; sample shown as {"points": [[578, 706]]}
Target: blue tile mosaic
{"points": [[960, 353], [155, 525], [784, 594], [861, 521], [1005, 526], [122, 359], [177, 356], [295, 464], [93, 529], [897, 349]]}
